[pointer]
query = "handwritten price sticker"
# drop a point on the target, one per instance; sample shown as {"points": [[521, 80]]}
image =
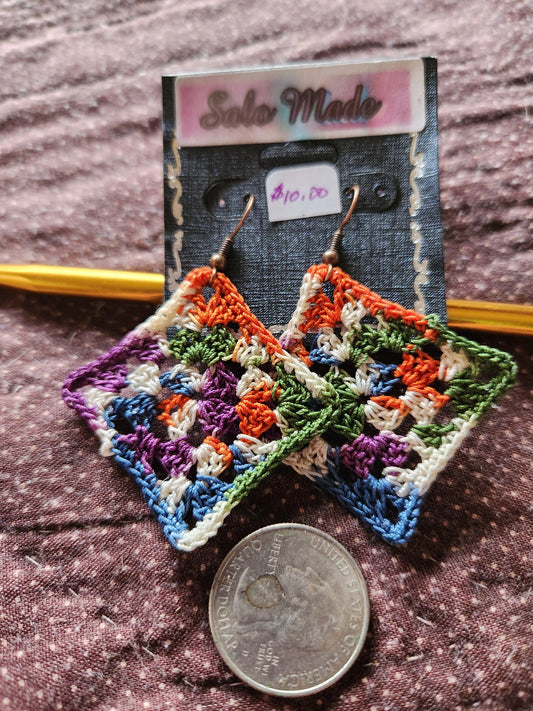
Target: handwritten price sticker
{"points": [[303, 191]]}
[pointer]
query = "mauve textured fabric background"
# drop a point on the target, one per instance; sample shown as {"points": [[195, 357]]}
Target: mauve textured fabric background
{"points": [[97, 610]]}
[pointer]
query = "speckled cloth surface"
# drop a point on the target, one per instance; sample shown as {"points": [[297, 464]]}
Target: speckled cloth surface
{"points": [[97, 611]]}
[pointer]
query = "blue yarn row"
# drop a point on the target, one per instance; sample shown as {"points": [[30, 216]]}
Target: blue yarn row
{"points": [[375, 501], [198, 499], [385, 381], [179, 383]]}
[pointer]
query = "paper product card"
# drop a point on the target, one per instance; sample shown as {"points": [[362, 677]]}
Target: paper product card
{"points": [[298, 138]]}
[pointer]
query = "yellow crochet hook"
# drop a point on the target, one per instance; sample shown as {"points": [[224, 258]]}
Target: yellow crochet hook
{"points": [[79, 281], [490, 316], [148, 286]]}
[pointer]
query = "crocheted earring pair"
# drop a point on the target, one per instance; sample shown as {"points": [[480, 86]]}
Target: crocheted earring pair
{"points": [[199, 403], [409, 391]]}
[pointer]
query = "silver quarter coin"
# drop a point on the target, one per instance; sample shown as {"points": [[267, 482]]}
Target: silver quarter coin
{"points": [[289, 610]]}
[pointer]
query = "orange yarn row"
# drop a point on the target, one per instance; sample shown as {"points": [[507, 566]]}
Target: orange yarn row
{"points": [[391, 403], [417, 373], [255, 417], [221, 449], [176, 401], [325, 313], [226, 306]]}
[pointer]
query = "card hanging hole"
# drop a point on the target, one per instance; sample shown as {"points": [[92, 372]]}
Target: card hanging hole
{"points": [[226, 199], [287, 154], [378, 192]]}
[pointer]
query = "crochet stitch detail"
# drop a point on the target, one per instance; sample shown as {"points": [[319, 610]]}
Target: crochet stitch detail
{"points": [[409, 392], [199, 403]]}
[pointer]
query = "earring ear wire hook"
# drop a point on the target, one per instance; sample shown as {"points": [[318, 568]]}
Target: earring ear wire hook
{"points": [[331, 255], [218, 259]]}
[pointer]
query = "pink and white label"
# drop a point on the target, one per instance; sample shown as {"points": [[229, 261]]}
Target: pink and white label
{"points": [[300, 103]]}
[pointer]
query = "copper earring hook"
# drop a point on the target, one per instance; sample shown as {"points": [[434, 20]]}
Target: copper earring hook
{"points": [[218, 259], [331, 255]]}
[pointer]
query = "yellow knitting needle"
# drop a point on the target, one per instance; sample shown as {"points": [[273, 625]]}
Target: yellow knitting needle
{"points": [[148, 286]]}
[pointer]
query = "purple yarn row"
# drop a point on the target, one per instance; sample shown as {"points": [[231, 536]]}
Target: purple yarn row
{"points": [[362, 454], [216, 411], [108, 373], [216, 414], [175, 458]]}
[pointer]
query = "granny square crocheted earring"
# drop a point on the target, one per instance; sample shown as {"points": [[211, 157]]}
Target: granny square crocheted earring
{"points": [[409, 388], [199, 403]]}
